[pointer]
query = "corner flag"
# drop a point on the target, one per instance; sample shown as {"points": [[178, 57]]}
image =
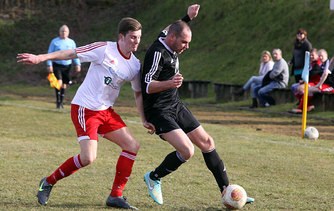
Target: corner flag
{"points": [[306, 70], [53, 81], [305, 77]]}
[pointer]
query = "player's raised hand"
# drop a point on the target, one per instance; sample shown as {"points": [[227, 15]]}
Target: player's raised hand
{"points": [[193, 11], [27, 58]]}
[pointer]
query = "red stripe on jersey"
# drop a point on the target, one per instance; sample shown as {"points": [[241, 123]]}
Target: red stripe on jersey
{"points": [[90, 47]]}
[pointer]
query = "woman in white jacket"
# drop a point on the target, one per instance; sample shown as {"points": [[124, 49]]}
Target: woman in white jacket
{"points": [[265, 65]]}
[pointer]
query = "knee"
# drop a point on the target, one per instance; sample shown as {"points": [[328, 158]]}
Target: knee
{"points": [[87, 159], [261, 92], [135, 146], [188, 152], [131, 146], [207, 144]]}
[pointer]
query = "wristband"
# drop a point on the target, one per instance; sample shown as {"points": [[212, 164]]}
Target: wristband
{"points": [[186, 18]]}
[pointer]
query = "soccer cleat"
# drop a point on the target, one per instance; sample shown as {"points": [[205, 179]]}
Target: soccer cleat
{"points": [[119, 202], [44, 191], [250, 200], [154, 188]]}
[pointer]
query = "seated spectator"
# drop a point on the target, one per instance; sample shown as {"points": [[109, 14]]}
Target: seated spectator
{"points": [[277, 78], [316, 69], [265, 65], [326, 82]]}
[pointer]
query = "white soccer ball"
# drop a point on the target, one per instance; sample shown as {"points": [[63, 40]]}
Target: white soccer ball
{"points": [[311, 133], [234, 197]]}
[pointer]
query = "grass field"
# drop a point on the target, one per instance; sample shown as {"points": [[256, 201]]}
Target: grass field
{"points": [[280, 171]]}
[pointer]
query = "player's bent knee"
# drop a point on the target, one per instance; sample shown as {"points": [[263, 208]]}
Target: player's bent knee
{"points": [[187, 153], [131, 146], [86, 160], [207, 145]]}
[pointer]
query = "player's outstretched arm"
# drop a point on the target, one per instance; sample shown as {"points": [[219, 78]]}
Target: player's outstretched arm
{"points": [[27, 58]]}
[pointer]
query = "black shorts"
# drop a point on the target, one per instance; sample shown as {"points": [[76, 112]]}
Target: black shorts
{"points": [[62, 72], [176, 118]]}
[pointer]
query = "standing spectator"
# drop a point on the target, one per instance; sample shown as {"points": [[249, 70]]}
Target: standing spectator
{"points": [[173, 122], [277, 78], [61, 68], [111, 65], [316, 69], [265, 65], [301, 45]]}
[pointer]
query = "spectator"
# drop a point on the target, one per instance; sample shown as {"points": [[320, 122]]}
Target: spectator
{"points": [[326, 82], [61, 68], [314, 77], [277, 78], [301, 45], [265, 65]]}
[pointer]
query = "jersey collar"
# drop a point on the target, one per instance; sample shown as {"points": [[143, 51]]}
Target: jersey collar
{"points": [[120, 52], [162, 40]]}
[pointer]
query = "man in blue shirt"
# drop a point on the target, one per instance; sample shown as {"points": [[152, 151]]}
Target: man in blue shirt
{"points": [[61, 68]]}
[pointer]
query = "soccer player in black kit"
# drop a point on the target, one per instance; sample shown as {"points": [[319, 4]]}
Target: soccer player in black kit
{"points": [[163, 108]]}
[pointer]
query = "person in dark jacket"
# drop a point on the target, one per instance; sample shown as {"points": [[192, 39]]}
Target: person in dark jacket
{"points": [[301, 45]]}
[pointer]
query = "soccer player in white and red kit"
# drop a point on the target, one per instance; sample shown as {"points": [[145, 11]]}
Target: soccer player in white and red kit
{"points": [[111, 65]]}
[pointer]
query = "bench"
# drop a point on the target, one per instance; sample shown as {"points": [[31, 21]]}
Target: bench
{"points": [[224, 92], [323, 101], [283, 96], [194, 89]]}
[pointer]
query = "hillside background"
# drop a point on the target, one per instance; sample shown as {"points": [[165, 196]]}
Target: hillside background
{"points": [[228, 35]]}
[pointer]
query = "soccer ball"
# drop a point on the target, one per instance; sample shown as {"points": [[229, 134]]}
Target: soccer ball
{"points": [[234, 197], [311, 133]]}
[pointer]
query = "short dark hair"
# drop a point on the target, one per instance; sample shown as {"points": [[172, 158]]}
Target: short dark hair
{"points": [[177, 27], [128, 24]]}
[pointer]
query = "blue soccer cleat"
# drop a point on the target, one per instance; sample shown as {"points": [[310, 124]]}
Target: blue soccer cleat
{"points": [[154, 188], [250, 200]]}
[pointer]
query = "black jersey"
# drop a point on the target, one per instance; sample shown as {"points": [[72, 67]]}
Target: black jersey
{"points": [[160, 64]]}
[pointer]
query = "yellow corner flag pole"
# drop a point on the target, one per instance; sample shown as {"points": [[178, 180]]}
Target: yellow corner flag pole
{"points": [[305, 77], [304, 115]]}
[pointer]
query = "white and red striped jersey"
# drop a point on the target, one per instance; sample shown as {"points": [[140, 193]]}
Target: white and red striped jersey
{"points": [[108, 71]]}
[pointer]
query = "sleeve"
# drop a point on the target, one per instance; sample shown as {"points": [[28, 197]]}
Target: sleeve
{"points": [[152, 68], [135, 83], [93, 52], [277, 69], [76, 61], [270, 65], [50, 50], [261, 71], [309, 46]]}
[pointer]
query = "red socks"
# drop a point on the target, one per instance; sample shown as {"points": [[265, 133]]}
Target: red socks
{"points": [[123, 171], [70, 166]]}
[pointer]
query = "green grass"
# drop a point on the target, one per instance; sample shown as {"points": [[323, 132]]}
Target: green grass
{"points": [[280, 171]]}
